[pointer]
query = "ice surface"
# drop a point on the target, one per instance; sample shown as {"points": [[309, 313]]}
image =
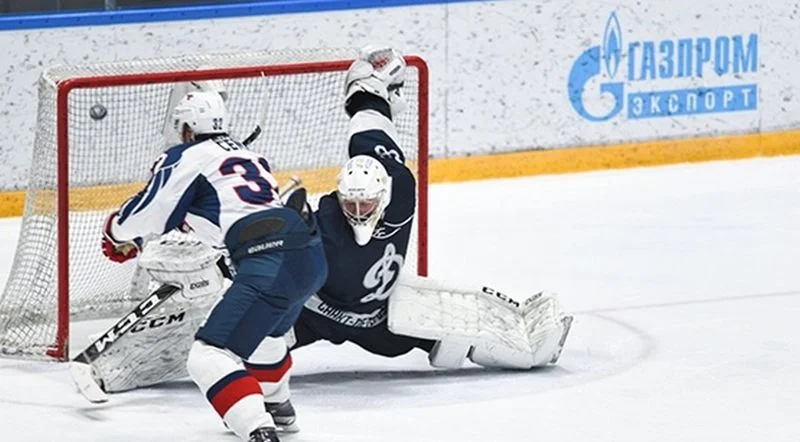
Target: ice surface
{"points": [[685, 285]]}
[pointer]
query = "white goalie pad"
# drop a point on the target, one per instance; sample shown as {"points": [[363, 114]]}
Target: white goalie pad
{"points": [[501, 332], [155, 349]]}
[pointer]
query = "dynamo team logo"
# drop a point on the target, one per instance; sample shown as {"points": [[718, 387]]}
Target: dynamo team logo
{"points": [[713, 74]]}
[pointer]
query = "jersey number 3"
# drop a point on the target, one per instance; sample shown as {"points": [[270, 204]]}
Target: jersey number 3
{"points": [[259, 190]]}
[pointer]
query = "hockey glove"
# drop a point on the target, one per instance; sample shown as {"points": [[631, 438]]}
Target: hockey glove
{"points": [[114, 250], [378, 71]]}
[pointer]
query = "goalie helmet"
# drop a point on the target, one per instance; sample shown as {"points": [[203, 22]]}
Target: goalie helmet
{"points": [[202, 112], [364, 189]]}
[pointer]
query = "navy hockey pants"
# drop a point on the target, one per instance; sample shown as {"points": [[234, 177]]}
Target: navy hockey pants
{"points": [[268, 291]]}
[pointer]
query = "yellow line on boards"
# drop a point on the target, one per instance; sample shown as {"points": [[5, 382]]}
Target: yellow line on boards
{"points": [[584, 159], [506, 165]]}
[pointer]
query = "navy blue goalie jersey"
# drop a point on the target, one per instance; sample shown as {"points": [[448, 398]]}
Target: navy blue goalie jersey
{"points": [[361, 278]]}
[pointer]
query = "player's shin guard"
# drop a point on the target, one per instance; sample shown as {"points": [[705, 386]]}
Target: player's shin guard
{"points": [[233, 392]]}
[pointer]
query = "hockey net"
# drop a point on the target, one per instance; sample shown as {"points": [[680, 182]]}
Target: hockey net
{"points": [[84, 167]]}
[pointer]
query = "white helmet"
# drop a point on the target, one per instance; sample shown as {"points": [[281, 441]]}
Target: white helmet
{"points": [[203, 112], [364, 190], [179, 90]]}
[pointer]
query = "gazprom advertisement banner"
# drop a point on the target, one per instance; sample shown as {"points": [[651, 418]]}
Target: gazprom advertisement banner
{"points": [[639, 76], [581, 73]]}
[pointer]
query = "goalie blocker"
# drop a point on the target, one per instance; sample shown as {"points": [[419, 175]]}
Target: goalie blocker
{"points": [[482, 325]]}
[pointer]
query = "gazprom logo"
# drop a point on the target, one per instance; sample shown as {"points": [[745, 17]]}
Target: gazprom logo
{"points": [[612, 45], [622, 75]]}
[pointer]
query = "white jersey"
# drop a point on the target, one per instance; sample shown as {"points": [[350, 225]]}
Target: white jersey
{"points": [[209, 185]]}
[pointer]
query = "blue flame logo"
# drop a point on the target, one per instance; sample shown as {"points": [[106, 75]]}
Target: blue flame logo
{"points": [[612, 45], [590, 64]]}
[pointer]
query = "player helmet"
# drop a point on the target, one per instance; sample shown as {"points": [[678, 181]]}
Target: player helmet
{"points": [[364, 189], [202, 112]]}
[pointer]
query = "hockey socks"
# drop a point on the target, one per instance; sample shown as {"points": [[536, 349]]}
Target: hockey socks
{"points": [[271, 365], [234, 394], [231, 390], [274, 378]]}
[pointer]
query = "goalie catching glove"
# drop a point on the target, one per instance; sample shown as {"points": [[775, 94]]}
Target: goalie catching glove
{"points": [[378, 71]]}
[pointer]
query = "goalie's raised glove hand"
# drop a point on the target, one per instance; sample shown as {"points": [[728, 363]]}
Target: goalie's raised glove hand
{"points": [[115, 250], [378, 71]]}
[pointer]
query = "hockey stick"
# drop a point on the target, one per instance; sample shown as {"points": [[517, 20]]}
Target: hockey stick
{"points": [[262, 118], [80, 367]]}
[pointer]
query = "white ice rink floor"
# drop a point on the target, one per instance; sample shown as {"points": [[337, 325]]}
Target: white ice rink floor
{"points": [[684, 281]]}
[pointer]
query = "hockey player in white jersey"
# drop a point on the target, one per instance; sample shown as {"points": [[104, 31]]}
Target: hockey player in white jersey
{"points": [[228, 197]]}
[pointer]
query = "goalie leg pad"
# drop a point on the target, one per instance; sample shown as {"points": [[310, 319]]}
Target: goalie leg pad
{"points": [[547, 327], [233, 393], [502, 332], [155, 350]]}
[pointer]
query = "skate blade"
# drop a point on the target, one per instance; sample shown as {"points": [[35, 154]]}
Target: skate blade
{"points": [[567, 321], [291, 428]]}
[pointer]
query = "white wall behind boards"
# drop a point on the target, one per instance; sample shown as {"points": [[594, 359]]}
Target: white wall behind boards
{"points": [[499, 71]]}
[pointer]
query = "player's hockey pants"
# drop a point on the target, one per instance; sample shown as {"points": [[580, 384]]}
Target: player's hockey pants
{"points": [[270, 286]]}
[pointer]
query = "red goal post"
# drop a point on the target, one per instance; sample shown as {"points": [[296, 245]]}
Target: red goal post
{"points": [[98, 162]]}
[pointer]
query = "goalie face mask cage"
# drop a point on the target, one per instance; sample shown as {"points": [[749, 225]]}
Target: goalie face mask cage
{"points": [[99, 128]]}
